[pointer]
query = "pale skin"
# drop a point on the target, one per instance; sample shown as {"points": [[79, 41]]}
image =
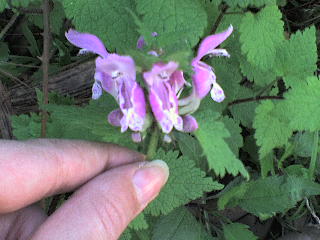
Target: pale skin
{"points": [[112, 185]]}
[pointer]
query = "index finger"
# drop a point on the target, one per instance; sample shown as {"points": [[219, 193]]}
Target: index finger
{"points": [[32, 170]]}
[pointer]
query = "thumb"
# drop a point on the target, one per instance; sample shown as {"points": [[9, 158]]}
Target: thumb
{"points": [[102, 208]]}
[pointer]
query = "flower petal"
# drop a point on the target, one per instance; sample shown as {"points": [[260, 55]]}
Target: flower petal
{"points": [[115, 117], [189, 123], [141, 42], [160, 72], [203, 78], [87, 41], [177, 81], [136, 137], [217, 93], [96, 90], [212, 41], [116, 66]]}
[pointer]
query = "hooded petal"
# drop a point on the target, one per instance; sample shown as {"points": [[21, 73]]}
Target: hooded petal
{"points": [[212, 41], [86, 41], [160, 72], [189, 123], [141, 42], [203, 78], [116, 66]]}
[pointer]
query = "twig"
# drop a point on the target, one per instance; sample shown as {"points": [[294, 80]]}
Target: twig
{"points": [[243, 100], [314, 215], [9, 25], [219, 19], [5, 111], [17, 80], [45, 63], [19, 65]]}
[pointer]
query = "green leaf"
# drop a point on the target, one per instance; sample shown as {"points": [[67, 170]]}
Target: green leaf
{"points": [[270, 195], [3, 5], [186, 182], [179, 21], [139, 223], [246, 3], [261, 34], [272, 129], [267, 164], [212, 135], [256, 74], [57, 16], [303, 144], [235, 141], [297, 57], [180, 224], [302, 106], [189, 146], [126, 235], [108, 19], [236, 231]]}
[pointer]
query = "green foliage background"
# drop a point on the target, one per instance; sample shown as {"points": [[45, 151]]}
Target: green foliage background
{"points": [[268, 139]]}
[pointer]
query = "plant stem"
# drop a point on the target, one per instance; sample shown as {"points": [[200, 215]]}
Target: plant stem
{"points": [[153, 144], [313, 161], [254, 99], [9, 25], [45, 63]]}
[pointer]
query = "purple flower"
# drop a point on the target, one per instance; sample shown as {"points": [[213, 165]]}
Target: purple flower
{"points": [[116, 75], [165, 82], [204, 78]]}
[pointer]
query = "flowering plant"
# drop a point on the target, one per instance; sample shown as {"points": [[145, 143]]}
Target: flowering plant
{"points": [[225, 92], [116, 75]]}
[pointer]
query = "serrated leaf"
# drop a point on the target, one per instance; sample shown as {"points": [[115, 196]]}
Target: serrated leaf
{"points": [[180, 20], [272, 129], [296, 69], [108, 19], [185, 183], [139, 223], [270, 195], [261, 34], [211, 135], [236, 231], [235, 142], [180, 224], [87, 122], [189, 146], [302, 105], [255, 73], [246, 3]]}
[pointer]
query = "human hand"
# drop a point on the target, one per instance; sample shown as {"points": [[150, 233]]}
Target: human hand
{"points": [[103, 204]]}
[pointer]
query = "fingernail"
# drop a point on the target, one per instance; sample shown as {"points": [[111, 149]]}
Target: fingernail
{"points": [[149, 179]]}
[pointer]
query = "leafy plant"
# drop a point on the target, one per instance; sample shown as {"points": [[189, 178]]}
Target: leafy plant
{"points": [[257, 149]]}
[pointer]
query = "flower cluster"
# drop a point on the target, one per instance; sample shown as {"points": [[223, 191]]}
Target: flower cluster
{"points": [[116, 75]]}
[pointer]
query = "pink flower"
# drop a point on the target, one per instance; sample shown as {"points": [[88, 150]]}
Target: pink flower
{"points": [[116, 75], [165, 81], [204, 78]]}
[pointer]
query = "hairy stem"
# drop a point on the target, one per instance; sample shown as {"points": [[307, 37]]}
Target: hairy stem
{"points": [[153, 144], [314, 155]]}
